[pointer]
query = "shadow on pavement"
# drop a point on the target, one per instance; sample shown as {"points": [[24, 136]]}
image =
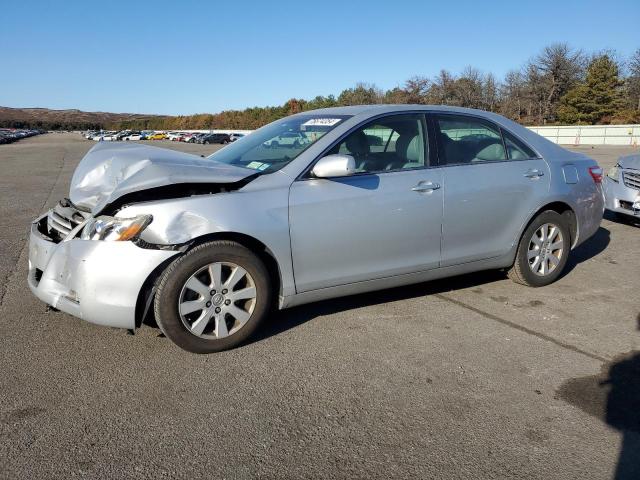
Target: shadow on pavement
{"points": [[293, 317], [613, 396], [620, 218], [589, 249]]}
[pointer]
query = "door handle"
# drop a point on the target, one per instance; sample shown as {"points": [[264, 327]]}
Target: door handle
{"points": [[423, 187], [534, 173]]}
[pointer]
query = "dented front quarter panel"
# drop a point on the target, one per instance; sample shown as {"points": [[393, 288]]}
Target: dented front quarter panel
{"points": [[259, 210]]}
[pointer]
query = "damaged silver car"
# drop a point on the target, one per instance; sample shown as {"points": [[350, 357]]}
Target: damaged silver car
{"points": [[373, 197]]}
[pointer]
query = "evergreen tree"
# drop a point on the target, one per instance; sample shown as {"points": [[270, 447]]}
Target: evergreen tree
{"points": [[596, 100]]}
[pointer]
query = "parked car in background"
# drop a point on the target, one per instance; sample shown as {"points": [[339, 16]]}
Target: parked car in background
{"points": [[10, 135], [132, 136], [289, 139], [236, 136], [195, 137], [209, 245], [622, 187], [120, 135], [222, 138], [110, 137], [104, 136], [173, 136], [156, 136]]}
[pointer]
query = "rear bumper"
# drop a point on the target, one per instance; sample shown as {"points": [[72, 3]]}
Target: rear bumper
{"points": [[620, 198], [96, 281]]}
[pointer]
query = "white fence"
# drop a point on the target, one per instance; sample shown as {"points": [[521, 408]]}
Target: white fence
{"points": [[628, 135]]}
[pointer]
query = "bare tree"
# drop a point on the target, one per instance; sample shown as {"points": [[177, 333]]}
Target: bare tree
{"points": [[513, 95], [633, 81], [443, 89], [490, 93], [552, 74], [468, 88], [416, 89]]}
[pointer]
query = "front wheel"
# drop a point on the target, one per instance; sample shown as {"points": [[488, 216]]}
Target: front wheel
{"points": [[543, 251], [213, 298]]}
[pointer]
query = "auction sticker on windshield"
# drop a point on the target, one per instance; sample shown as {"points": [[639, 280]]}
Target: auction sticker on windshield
{"points": [[321, 122]]}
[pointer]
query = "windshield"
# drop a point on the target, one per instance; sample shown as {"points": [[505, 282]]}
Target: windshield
{"points": [[274, 146]]}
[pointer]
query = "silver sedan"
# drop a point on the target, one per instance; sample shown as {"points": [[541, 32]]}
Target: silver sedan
{"points": [[372, 197], [622, 187]]}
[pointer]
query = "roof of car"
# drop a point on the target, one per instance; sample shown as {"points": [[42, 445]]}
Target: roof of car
{"points": [[384, 108]]}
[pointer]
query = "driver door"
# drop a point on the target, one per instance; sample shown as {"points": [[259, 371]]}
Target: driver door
{"points": [[383, 221]]}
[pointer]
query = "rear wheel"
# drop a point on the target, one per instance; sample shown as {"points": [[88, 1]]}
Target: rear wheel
{"points": [[543, 251], [213, 298]]}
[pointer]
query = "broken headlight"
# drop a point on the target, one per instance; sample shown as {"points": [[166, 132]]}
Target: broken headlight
{"points": [[115, 229]]}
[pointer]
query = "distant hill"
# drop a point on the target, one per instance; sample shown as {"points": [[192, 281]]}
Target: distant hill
{"points": [[71, 119]]}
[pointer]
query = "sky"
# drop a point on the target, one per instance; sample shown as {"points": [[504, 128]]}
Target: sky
{"points": [[185, 57]]}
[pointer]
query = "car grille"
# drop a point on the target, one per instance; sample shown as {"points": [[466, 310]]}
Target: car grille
{"points": [[631, 179], [63, 218]]}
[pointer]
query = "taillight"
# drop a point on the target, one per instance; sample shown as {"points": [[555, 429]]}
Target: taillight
{"points": [[596, 174]]}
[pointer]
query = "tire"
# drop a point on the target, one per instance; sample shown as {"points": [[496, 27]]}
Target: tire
{"points": [[548, 265], [227, 322]]}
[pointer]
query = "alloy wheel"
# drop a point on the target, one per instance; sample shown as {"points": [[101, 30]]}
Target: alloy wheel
{"points": [[546, 249], [217, 300]]}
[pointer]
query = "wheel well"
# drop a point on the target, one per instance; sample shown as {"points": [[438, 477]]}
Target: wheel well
{"points": [[145, 296], [564, 210], [253, 244]]}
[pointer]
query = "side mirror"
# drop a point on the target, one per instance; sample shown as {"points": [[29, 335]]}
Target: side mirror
{"points": [[337, 165]]}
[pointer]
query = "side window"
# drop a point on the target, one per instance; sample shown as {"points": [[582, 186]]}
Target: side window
{"points": [[515, 148], [463, 139], [389, 143]]}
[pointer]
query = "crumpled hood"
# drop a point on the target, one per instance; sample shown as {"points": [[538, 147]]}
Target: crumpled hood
{"points": [[110, 170], [630, 161]]}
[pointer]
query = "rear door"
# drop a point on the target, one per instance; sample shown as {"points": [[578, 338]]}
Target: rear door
{"points": [[492, 183], [383, 221]]}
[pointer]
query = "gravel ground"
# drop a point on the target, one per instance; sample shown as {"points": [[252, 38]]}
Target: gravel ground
{"points": [[470, 377]]}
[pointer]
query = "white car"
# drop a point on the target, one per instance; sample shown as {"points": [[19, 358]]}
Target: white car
{"points": [[236, 136], [133, 136], [100, 136], [288, 139], [173, 136], [107, 137]]}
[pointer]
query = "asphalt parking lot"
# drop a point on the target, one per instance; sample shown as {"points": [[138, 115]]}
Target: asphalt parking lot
{"points": [[470, 377]]}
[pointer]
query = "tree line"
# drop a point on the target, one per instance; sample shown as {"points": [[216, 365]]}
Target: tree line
{"points": [[559, 85]]}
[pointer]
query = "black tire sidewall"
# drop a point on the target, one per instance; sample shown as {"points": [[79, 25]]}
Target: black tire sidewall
{"points": [[531, 278], [167, 296]]}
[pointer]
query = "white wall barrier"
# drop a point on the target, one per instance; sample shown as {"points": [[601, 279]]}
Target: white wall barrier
{"points": [[627, 135]]}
